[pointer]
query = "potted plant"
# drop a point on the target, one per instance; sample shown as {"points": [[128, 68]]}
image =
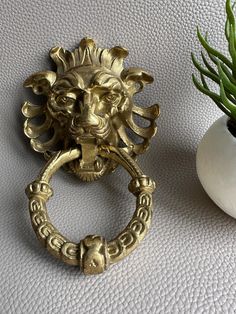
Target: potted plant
{"points": [[216, 154]]}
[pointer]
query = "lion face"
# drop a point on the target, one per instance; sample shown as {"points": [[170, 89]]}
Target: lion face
{"points": [[89, 103], [86, 101]]}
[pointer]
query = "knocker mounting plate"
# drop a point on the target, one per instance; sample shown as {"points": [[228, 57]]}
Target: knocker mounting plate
{"points": [[88, 115]]}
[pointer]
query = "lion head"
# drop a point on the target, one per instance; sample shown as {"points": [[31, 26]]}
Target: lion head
{"points": [[89, 102]]}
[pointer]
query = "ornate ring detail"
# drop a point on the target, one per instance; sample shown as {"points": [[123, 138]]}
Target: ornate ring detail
{"points": [[93, 254]]}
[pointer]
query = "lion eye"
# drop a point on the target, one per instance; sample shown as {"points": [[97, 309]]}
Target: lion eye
{"points": [[65, 100], [111, 98]]}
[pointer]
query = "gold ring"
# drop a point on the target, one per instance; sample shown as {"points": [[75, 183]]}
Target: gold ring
{"points": [[88, 118], [93, 254]]}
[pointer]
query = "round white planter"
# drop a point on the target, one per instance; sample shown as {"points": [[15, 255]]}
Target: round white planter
{"points": [[216, 165]]}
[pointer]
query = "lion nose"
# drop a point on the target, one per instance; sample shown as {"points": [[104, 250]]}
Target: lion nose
{"points": [[86, 117]]}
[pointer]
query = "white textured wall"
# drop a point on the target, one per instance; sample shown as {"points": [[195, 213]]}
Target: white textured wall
{"points": [[186, 264]]}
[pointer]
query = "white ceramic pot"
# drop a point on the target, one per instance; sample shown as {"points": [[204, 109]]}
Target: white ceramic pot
{"points": [[216, 165]]}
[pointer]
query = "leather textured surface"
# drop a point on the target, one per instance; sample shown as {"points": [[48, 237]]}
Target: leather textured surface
{"points": [[186, 264]]}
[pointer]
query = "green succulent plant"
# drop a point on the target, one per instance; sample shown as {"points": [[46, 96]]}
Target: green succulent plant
{"points": [[220, 69]]}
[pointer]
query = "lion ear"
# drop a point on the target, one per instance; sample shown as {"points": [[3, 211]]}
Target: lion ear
{"points": [[41, 82], [136, 79]]}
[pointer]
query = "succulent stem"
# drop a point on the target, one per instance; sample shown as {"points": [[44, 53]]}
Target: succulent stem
{"points": [[220, 69]]}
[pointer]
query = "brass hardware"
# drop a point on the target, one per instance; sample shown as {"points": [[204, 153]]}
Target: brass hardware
{"points": [[89, 112]]}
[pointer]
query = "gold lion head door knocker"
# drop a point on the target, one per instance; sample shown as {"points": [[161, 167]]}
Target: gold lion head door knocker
{"points": [[88, 115]]}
